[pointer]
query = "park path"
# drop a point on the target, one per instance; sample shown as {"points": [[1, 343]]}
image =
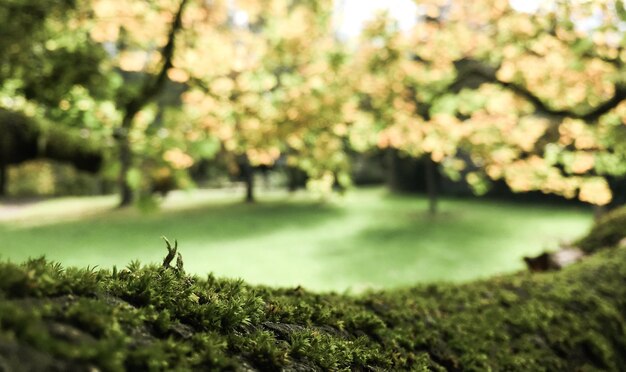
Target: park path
{"points": [[35, 211], [13, 209]]}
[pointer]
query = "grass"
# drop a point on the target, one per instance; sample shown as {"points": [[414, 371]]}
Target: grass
{"points": [[368, 239]]}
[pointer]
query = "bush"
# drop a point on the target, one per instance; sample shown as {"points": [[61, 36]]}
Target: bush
{"points": [[158, 318], [49, 178]]}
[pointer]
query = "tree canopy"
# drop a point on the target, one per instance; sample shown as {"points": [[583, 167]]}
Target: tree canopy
{"points": [[488, 92]]}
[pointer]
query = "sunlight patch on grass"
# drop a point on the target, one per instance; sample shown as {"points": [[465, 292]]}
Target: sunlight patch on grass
{"points": [[368, 239]]}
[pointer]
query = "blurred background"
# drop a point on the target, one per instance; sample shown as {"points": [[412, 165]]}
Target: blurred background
{"points": [[338, 145]]}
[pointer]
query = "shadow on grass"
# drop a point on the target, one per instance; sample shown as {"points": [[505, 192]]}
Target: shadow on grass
{"points": [[469, 239], [444, 247]]}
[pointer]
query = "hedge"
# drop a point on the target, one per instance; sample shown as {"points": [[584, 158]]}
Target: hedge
{"points": [[156, 318]]}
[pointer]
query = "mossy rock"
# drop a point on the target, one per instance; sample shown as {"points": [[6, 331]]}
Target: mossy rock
{"points": [[607, 232], [155, 318]]}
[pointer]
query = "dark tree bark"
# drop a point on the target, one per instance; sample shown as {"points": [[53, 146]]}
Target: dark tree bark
{"points": [[431, 186], [247, 172], [292, 183], [250, 187]]}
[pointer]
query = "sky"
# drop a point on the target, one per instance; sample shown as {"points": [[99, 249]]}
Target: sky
{"points": [[357, 12]]}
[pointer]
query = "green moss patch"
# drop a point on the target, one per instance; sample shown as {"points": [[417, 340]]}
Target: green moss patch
{"points": [[608, 231], [158, 318]]}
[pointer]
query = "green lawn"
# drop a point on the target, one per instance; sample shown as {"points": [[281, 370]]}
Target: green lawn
{"points": [[366, 239]]}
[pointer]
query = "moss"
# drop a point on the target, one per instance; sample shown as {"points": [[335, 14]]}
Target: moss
{"points": [[156, 318], [609, 231]]}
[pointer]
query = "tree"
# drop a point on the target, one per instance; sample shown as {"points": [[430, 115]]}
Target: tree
{"points": [[45, 61], [280, 92], [533, 100], [142, 61], [399, 91], [479, 90], [566, 95]]}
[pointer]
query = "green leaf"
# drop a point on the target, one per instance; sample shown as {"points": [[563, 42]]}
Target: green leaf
{"points": [[207, 148], [621, 11], [446, 105], [133, 177]]}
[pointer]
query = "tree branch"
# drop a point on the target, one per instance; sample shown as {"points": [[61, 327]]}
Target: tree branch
{"points": [[152, 87], [468, 68]]}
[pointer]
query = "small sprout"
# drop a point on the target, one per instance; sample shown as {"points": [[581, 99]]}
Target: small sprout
{"points": [[171, 252], [179, 264]]}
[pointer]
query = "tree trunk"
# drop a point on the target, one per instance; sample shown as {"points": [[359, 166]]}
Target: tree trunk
{"points": [[599, 211], [391, 158], [250, 187], [292, 179], [248, 177], [431, 186], [126, 159], [151, 88], [3, 180]]}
